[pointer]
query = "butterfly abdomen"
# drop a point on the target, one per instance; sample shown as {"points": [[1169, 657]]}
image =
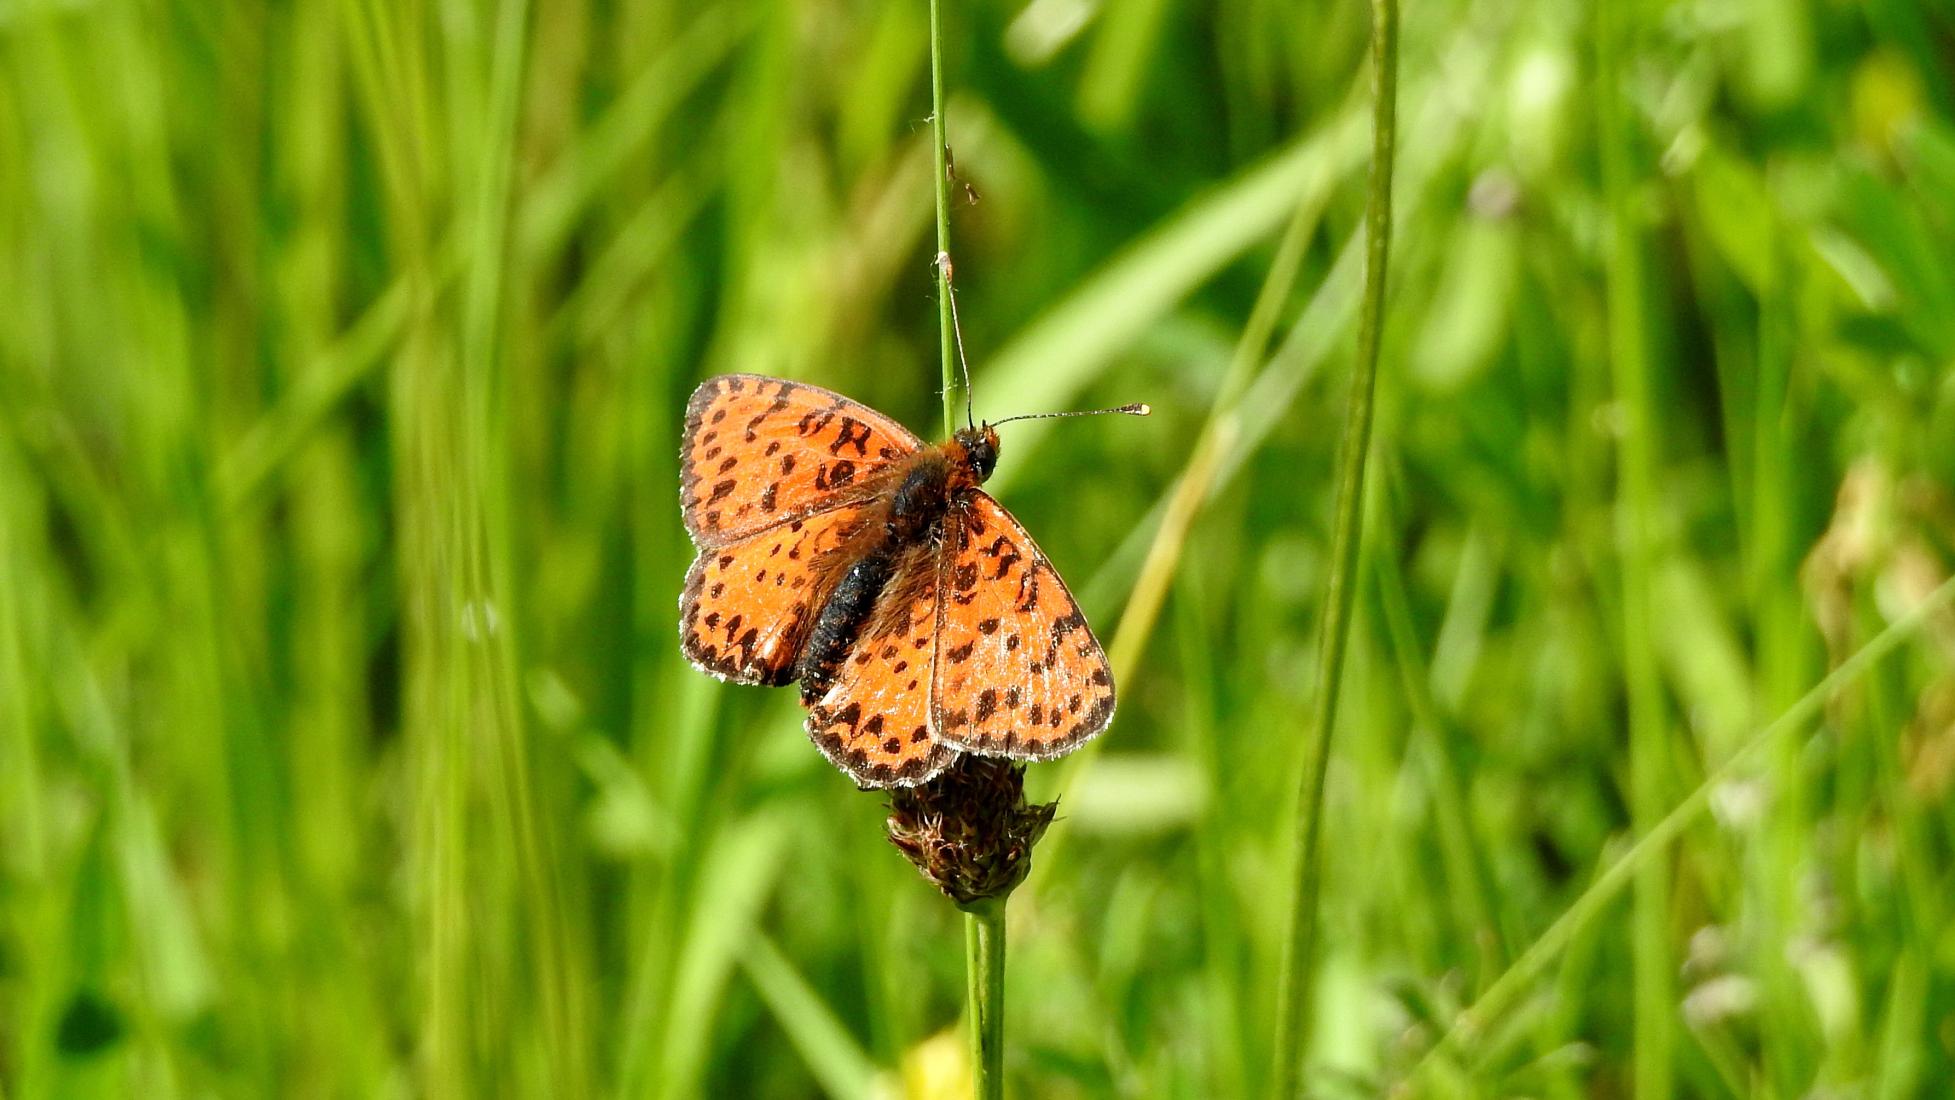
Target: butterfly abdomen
{"points": [[840, 620]]}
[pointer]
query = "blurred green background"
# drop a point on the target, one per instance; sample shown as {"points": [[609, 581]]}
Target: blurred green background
{"points": [[346, 749]]}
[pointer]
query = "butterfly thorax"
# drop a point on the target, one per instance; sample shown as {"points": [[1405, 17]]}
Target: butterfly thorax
{"points": [[923, 489]]}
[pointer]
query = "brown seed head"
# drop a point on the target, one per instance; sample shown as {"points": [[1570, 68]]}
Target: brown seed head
{"points": [[970, 830]]}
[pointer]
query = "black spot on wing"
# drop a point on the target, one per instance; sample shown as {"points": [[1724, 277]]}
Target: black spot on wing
{"points": [[853, 433]]}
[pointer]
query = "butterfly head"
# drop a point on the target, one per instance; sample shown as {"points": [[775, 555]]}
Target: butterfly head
{"points": [[978, 451]]}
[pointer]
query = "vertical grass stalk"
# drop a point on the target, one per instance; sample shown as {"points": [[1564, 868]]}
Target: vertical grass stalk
{"points": [[946, 320], [1294, 995], [984, 922], [1636, 521], [984, 954]]}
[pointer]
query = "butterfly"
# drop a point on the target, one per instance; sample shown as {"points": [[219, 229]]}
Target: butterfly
{"points": [[840, 552]]}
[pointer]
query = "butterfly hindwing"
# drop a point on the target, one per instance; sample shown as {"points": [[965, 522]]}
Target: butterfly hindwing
{"points": [[1018, 672], [761, 450], [747, 606], [873, 718]]}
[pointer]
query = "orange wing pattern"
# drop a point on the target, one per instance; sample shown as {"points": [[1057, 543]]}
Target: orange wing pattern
{"points": [[761, 450], [1018, 671], [873, 721], [747, 606]]}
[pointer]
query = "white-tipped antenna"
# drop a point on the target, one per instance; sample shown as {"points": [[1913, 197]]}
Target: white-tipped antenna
{"points": [[1135, 409], [957, 329]]}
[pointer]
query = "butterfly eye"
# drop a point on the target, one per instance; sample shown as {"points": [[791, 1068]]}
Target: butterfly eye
{"points": [[984, 454]]}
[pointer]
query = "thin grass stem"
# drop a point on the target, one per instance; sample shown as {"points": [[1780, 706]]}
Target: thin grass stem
{"points": [[1636, 522], [1294, 995], [984, 922], [984, 960], [940, 156], [1506, 990]]}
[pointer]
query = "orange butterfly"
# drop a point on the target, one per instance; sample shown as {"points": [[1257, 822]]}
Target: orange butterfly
{"points": [[838, 550]]}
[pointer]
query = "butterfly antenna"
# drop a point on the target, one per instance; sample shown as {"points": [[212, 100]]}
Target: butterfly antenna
{"points": [[957, 330], [1135, 409]]}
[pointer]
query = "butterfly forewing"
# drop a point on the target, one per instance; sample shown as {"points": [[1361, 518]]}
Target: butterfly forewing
{"points": [[747, 606], [1018, 671], [760, 450], [873, 719]]}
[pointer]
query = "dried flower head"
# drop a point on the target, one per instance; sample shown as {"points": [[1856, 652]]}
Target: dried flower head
{"points": [[970, 830]]}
